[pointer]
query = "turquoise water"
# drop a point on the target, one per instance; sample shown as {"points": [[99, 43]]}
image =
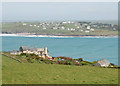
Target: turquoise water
{"points": [[91, 49]]}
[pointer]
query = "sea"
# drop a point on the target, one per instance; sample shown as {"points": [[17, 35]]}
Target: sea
{"points": [[88, 48]]}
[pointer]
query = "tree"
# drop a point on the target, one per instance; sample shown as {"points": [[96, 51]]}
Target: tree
{"points": [[21, 49]]}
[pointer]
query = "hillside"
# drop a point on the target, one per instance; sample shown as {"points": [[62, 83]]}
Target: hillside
{"points": [[14, 72], [60, 28]]}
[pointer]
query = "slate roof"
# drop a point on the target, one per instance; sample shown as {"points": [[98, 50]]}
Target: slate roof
{"points": [[32, 49], [103, 62]]}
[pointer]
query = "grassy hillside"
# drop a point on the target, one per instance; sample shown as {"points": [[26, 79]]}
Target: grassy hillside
{"points": [[0, 70], [18, 27], [14, 72]]}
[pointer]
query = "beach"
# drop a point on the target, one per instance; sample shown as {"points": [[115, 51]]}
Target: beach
{"points": [[61, 36]]}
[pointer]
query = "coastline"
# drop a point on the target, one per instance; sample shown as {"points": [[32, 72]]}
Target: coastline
{"points": [[58, 36]]}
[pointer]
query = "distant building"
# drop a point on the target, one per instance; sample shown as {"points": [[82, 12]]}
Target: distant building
{"points": [[30, 25], [92, 29], [87, 31], [54, 28], [24, 24], [64, 22], [88, 27], [62, 27], [78, 27], [35, 25]]}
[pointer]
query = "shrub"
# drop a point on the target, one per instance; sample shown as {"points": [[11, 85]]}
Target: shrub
{"points": [[28, 59], [80, 59], [112, 64], [37, 58], [32, 61], [23, 54], [28, 55]]}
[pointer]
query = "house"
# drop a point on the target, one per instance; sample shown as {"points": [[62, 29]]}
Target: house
{"points": [[78, 27], [24, 24], [30, 25], [102, 63], [69, 22], [92, 29], [41, 52], [35, 25], [62, 27], [54, 28], [64, 22], [44, 28], [15, 52], [88, 28], [87, 31]]}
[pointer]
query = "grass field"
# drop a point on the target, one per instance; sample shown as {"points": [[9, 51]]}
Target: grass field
{"points": [[14, 72]]}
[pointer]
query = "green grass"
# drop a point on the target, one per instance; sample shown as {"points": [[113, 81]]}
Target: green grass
{"points": [[17, 27], [0, 71], [14, 72]]}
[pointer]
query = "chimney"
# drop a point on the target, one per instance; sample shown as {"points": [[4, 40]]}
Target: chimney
{"points": [[46, 50]]}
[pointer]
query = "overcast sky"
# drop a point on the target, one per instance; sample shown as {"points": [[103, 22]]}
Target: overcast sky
{"points": [[59, 11]]}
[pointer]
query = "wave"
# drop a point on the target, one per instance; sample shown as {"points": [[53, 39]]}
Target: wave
{"points": [[52, 36]]}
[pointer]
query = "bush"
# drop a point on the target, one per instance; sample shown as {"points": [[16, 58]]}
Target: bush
{"points": [[112, 64], [37, 58], [23, 54], [80, 59], [28, 55], [28, 59], [84, 63], [32, 61]]}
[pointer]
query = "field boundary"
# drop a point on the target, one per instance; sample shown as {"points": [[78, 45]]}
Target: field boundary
{"points": [[12, 58]]}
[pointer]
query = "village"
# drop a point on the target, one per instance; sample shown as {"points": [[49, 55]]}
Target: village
{"points": [[61, 28], [73, 26]]}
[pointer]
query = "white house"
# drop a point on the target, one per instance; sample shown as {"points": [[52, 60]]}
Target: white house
{"points": [[78, 27], [87, 31], [88, 28], [62, 27], [92, 29], [30, 25], [24, 24], [35, 25]]}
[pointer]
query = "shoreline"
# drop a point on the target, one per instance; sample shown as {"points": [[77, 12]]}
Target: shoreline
{"points": [[58, 36]]}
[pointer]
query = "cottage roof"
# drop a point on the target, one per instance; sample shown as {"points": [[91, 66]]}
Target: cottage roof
{"points": [[40, 49], [97, 64], [33, 49], [26, 48], [103, 62]]}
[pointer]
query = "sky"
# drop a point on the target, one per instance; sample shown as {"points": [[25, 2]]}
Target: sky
{"points": [[60, 0], [59, 11]]}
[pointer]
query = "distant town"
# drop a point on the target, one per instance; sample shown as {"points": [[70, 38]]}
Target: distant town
{"points": [[69, 28]]}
